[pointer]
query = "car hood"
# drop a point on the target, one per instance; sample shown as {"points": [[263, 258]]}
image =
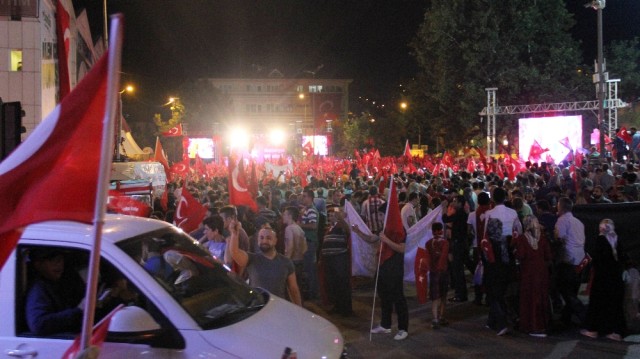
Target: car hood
{"points": [[279, 324]]}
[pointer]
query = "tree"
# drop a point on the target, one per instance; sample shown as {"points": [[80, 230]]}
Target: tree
{"points": [[521, 47], [205, 105], [355, 133], [623, 62], [389, 133]]}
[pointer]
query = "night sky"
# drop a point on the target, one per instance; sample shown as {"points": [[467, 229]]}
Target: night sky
{"points": [[168, 42]]}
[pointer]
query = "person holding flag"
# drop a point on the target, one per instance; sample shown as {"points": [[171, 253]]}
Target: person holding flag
{"points": [[389, 280]]}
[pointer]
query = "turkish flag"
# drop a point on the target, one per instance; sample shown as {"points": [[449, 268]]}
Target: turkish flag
{"points": [[536, 151], [253, 181], [159, 156], [200, 167], [189, 213], [393, 227], [119, 203], [180, 169], [98, 337], [421, 269], [63, 32], [565, 142], [624, 134], [487, 249], [174, 131], [308, 149], [239, 194], [164, 200], [447, 160], [53, 174], [579, 159], [407, 150], [471, 165]]}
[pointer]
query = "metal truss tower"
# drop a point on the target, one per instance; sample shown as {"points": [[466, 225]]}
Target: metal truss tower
{"points": [[492, 110]]}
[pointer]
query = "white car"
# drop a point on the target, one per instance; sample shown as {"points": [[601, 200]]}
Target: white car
{"points": [[198, 310]]}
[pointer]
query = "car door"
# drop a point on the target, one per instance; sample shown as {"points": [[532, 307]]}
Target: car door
{"points": [[17, 341]]}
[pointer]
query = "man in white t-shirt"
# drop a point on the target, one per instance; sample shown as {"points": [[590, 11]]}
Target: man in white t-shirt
{"points": [[408, 212]]}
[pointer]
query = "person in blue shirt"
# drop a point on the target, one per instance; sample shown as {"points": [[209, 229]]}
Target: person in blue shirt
{"points": [[55, 300]]}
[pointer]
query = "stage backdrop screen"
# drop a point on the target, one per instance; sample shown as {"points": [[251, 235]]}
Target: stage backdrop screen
{"points": [[317, 143], [551, 133], [204, 147]]}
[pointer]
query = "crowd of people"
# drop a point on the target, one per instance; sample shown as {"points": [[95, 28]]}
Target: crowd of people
{"points": [[517, 239]]}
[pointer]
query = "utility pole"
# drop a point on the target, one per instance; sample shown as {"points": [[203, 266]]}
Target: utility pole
{"points": [[600, 77]]}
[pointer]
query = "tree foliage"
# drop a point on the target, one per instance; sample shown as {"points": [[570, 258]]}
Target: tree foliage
{"points": [[521, 47], [389, 133], [204, 105], [623, 62], [355, 134]]}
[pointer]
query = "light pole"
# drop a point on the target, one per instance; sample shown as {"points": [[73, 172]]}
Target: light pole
{"points": [[119, 138], [600, 76], [403, 108], [105, 30]]}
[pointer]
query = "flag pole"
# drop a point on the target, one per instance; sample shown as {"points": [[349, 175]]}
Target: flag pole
{"points": [[375, 287], [113, 82]]}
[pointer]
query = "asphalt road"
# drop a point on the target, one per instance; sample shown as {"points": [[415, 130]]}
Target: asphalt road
{"points": [[465, 337]]}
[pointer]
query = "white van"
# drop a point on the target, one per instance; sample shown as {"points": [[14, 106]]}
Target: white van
{"points": [[207, 314]]}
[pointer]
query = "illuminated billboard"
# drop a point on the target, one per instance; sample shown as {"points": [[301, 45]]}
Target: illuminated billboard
{"points": [[315, 145], [204, 147], [550, 133]]}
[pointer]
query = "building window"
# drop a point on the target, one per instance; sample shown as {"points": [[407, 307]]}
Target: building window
{"points": [[300, 88], [16, 60], [248, 88]]}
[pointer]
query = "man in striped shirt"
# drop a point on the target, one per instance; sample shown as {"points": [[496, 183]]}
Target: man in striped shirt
{"points": [[370, 212]]}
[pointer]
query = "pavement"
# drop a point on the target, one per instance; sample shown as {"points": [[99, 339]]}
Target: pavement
{"points": [[465, 336]]}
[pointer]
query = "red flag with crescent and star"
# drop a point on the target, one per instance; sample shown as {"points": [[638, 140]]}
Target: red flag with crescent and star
{"points": [[53, 174], [189, 213], [239, 194], [393, 227], [421, 269], [174, 131]]}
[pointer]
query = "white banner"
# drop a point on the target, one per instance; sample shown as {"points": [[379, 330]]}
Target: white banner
{"points": [[364, 255], [418, 235]]}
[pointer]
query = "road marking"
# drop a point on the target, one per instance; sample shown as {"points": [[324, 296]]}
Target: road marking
{"points": [[562, 349]]}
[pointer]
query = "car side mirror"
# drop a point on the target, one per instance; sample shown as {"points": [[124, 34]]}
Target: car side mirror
{"points": [[133, 325]]}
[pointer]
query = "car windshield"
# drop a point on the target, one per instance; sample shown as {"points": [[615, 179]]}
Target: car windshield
{"points": [[208, 291]]}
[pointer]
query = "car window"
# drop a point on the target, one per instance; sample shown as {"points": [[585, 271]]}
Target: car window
{"points": [[66, 296], [209, 292]]}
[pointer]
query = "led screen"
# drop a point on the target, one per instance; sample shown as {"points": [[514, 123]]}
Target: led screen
{"points": [[551, 133], [202, 146]]}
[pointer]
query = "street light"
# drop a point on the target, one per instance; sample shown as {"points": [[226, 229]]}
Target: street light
{"points": [[600, 76], [120, 139]]}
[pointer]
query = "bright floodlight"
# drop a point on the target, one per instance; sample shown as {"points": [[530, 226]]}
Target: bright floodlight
{"points": [[277, 137], [238, 138]]}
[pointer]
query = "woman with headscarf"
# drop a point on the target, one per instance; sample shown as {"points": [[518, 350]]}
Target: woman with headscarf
{"points": [[496, 277], [534, 254], [605, 315]]}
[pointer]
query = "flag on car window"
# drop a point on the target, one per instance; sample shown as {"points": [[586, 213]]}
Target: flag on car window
{"points": [[98, 337]]}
